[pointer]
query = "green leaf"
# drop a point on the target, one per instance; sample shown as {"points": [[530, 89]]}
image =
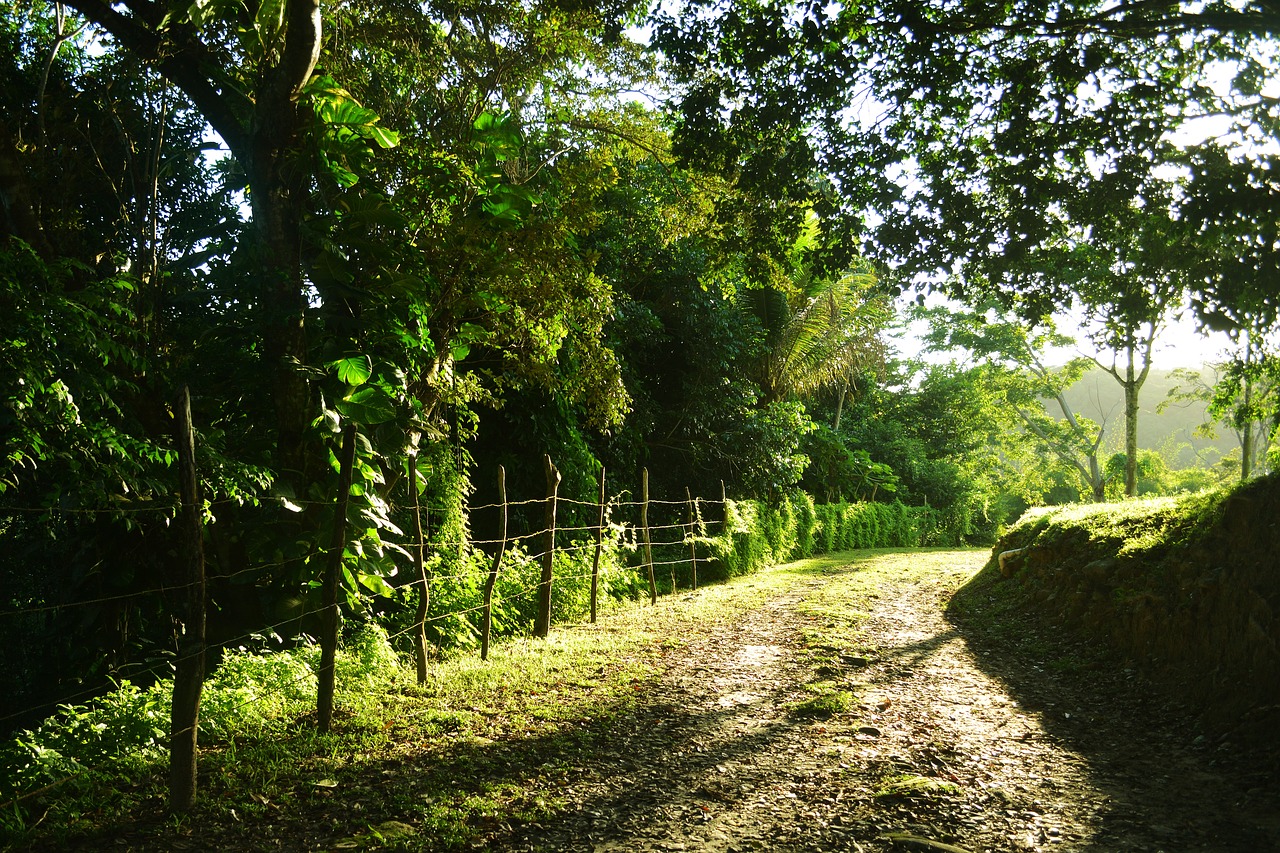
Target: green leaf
{"points": [[469, 332], [270, 20], [375, 584], [353, 370], [384, 137], [369, 405], [347, 112], [341, 175]]}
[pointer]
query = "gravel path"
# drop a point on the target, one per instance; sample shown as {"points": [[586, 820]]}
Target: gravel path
{"points": [[941, 748]]}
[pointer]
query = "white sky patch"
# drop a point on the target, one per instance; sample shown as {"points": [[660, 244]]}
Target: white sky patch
{"points": [[1179, 344]]}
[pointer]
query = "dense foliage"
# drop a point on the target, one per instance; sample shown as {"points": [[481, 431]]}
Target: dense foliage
{"points": [[447, 237]]}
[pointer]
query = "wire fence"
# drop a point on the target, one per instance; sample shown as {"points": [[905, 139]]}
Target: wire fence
{"points": [[624, 529]]}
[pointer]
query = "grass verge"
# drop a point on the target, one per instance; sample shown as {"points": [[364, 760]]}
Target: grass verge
{"points": [[438, 766]]}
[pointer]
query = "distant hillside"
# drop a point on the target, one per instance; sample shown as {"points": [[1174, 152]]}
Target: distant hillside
{"points": [[1098, 396]]}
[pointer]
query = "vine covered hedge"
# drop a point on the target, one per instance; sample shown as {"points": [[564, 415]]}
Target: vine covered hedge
{"points": [[757, 534], [750, 536]]}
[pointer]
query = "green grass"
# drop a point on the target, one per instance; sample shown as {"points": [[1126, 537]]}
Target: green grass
{"points": [[1130, 528], [420, 767], [261, 756], [828, 700]]}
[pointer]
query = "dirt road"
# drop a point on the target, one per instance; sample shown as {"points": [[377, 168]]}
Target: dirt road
{"points": [[850, 714]]}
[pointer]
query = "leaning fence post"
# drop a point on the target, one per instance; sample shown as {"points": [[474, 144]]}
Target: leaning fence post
{"points": [[644, 527], [487, 624], [595, 562], [188, 680], [420, 564], [542, 627], [693, 531], [332, 569]]}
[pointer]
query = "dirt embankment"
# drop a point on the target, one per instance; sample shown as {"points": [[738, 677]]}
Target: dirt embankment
{"points": [[1192, 599]]}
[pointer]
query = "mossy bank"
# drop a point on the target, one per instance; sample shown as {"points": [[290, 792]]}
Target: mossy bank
{"points": [[1184, 589]]}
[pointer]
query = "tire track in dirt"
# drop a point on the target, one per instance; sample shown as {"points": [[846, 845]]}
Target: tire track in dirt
{"points": [[936, 751]]}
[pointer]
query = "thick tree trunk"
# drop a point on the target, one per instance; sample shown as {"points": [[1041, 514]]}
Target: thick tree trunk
{"points": [[263, 129], [1130, 437], [278, 191]]}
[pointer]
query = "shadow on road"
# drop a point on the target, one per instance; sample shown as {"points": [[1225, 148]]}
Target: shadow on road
{"points": [[1169, 783]]}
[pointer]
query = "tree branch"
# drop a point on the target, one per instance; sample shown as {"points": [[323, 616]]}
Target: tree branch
{"points": [[182, 62]]}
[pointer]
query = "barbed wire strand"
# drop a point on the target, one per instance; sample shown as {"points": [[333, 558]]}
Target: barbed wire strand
{"points": [[520, 593], [170, 663]]}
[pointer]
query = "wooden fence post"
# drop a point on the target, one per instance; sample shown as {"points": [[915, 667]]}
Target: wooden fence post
{"points": [[724, 510], [693, 532], [332, 570], [420, 564], [188, 680], [595, 562], [542, 627], [487, 624], [644, 527]]}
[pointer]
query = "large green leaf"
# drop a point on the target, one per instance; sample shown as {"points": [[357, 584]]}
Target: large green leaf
{"points": [[368, 405], [384, 137], [353, 370], [375, 584]]}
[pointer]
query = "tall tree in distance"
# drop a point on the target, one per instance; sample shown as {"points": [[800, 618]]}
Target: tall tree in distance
{"points": [[1242, 395], [1131, 273], [1015, 354]]}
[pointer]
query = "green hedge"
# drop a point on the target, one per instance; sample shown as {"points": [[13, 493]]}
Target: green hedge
{"points": [[757, 534], [751, 536]]}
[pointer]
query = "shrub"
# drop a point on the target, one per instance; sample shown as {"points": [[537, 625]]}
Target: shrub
{"points": [[759, 534]]}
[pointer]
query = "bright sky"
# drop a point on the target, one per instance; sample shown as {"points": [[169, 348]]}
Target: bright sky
{"points": [[1178, 345]]}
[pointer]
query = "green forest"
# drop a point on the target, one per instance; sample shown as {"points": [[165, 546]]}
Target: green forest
{"points": [[323, 322]]}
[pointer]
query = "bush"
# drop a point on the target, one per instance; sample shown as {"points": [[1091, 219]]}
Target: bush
{"points": [[758, 534]]}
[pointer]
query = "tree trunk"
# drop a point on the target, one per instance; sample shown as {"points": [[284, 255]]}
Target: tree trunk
{"points": [[1097, 482], [332, 578], [1132, 385], [263, 128], [277, 216]]}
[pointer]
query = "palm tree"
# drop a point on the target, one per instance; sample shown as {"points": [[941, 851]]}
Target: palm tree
{"points": [[820, 335]]}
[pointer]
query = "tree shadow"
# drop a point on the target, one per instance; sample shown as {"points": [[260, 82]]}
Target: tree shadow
{"points": [[1170, 782]]}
